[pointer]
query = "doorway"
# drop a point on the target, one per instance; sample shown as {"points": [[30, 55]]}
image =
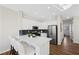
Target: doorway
{"points": [[68, 28]]}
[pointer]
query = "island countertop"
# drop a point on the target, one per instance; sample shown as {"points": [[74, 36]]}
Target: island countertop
{"points": [[41, 42]]}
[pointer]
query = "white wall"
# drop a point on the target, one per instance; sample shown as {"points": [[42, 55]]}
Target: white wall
{"points": [[52, 22], [9, 26], [75, 29], [1, 41], [28, 23], [60, 30]]}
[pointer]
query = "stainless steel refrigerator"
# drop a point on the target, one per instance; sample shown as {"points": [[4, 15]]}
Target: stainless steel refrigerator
{"points": [[52, 33]]}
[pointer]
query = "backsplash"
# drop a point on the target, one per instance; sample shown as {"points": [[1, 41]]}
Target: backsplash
{"points": [[32, 32]]}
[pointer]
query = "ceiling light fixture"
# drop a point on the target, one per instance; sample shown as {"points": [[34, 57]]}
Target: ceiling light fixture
{"points": [[65, 6], [49, 7], [57, 7], [62, 7]]}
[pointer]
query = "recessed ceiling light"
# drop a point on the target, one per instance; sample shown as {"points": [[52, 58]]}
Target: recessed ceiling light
{"points": [[49, 7], [67, 17], [65, 6]]}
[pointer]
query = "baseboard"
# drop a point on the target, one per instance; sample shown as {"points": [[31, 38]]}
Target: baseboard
{"points": [[76, 42], [59, 43], [4, 51]]}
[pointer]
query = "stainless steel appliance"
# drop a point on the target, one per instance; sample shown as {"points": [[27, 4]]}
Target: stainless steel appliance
{"points": [[52, 33]]}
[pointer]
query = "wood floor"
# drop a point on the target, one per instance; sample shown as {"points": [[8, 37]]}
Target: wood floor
{"points": [[67, 48]]}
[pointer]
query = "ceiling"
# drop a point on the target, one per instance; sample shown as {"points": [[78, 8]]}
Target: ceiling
{"points": [[43, 12]]}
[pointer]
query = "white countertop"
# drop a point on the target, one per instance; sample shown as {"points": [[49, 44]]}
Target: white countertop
{"points": [[41, 43], [35, 40]]}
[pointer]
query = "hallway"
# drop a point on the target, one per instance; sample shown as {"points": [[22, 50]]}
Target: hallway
{"points": [[67, 48]]}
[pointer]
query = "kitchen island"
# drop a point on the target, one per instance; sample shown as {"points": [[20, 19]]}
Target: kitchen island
{"points": [[41, 43]]}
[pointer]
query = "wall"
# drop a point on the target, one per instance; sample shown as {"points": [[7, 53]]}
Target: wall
{"points": [[75, 29], [60, 30], [1, 41], [9, 26], [28, 23], [52, 22]]}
